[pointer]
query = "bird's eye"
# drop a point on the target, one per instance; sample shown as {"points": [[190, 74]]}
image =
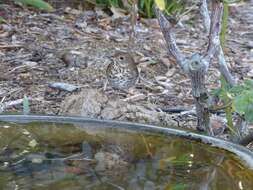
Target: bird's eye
{"points": [[121, 58]]}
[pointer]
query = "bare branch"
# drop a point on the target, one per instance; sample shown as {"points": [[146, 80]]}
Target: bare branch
{"points": [[196, 67], [205, 15], [221, 58], [214, 33], [197, 72], [224, 69], [167, 30]]}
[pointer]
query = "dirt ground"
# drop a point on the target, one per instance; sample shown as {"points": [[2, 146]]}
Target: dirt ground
{"points": [[38, 49]]}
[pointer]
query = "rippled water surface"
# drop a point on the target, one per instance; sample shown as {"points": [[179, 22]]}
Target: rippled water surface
{"points": [[44, 156]]}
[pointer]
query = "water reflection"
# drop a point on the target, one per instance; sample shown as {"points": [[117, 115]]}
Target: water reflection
{"points": [[53, 156]]}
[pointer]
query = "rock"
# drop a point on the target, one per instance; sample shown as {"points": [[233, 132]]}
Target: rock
{"points": [[88, 103], [114, 110], [95, 104]]}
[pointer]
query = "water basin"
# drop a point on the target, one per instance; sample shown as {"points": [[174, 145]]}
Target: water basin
{"points": [[72, 153]]}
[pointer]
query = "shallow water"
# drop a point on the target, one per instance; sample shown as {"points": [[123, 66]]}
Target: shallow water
{"points": [[43, 156]]}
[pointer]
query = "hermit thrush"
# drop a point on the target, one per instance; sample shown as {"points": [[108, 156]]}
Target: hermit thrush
{"points": [[122, 72]]}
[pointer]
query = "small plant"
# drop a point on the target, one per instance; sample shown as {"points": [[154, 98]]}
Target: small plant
{"points": [[145, 6], [26, 106], [171, 7], [240, 98], [107, 3], [233, 99], [39, 4]]}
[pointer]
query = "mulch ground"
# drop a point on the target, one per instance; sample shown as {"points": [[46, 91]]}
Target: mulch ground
{"points": [[34, 46]]}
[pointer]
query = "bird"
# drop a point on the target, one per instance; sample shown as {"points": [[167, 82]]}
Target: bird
{"points": [[122, 73]]}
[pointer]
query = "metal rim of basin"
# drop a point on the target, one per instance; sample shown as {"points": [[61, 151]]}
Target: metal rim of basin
{"points": [[243, 153]]}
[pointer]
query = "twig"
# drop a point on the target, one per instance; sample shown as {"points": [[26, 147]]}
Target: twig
{"points": [[214, 32], [224, 69], [135, 97], [10, 46], [205, 15], [168, 33], [214, 43], [18, 57]]}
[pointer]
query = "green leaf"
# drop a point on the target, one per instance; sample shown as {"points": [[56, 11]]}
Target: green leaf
{"points": [[226, 97], [160, 4], [242, 99], [180, 186], [249, 114], [248, 83], [244, 105], [141, 4], [237, 89], [241, 103], [39, 4]]}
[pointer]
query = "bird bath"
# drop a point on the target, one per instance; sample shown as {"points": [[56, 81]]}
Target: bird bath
{"points": [[72, 153]]}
